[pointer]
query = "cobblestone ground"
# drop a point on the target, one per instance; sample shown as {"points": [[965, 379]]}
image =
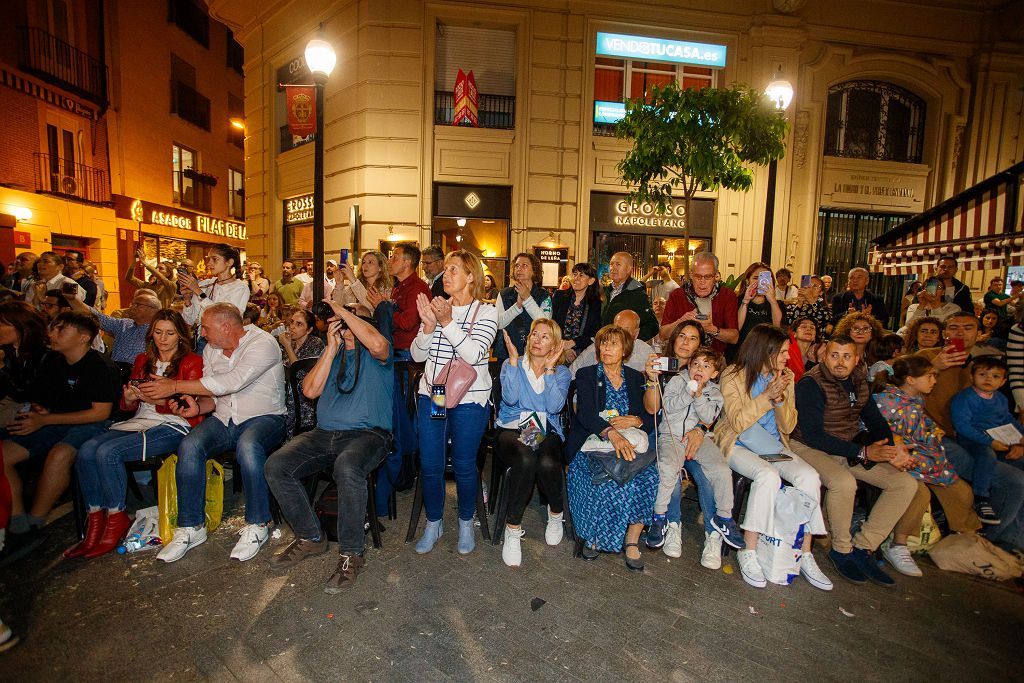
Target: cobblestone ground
{"points": [[449, 617]]}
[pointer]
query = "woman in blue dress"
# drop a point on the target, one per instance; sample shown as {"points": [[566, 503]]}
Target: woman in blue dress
{"points": [[610, 399]]}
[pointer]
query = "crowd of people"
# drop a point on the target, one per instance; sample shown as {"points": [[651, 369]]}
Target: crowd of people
{"points": [[622, 390]]}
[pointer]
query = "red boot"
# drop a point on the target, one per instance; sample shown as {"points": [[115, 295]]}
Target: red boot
{"points": [[93, 530], [117, 526]]}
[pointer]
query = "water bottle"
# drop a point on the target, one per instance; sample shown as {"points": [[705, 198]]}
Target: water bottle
{"points": [[132, 543]]}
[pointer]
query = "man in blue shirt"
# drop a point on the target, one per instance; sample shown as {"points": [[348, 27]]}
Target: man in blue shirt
{"points": [[353, 382], [129, 333]]}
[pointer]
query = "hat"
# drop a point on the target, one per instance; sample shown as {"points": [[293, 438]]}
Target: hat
{"points": [[332, 262]]}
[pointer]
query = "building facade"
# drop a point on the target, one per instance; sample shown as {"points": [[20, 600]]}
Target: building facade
{"points": [[897, 106]]}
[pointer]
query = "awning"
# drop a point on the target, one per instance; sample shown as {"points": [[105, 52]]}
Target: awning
{"points": [[983, 227]]}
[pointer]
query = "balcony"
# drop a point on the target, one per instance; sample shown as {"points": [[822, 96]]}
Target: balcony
{"points": [[62, 64], [495, 111], [66, 178], [191, 193], [190, 105]]}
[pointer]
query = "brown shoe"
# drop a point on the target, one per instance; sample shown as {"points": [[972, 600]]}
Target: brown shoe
{"points": [[345, 575], [296, 551]]}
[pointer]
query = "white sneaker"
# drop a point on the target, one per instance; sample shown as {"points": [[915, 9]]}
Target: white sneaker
{"points": [[673, 540], [512, 547], [185, 538], [901, 560], [553, 531], [253, 536], [809, 570], [712, 555], [750, 568]]}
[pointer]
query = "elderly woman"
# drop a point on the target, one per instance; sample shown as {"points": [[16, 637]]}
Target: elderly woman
{"points": [[367, 289], [530, 435], [810, 303], [861, 328], [613, 414], [758, 416]]}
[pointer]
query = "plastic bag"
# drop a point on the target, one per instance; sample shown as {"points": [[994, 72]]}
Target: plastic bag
{"points": [[779, 555], [927, 537], [167, 496]]}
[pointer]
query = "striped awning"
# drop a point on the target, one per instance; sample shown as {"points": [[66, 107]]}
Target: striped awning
{"points": [[982, 227]]}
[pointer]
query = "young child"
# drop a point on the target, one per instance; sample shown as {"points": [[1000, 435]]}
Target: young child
{"points": [[692, 400], [880, 355], [975, 409], [902, 404]]}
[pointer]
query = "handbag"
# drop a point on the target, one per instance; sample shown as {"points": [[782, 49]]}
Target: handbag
{"points": [[759, 441], [605, 465], [459, 375]]}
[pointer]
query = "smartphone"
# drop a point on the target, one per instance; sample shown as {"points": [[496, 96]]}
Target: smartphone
{"points": [[666, 364], [805, 281], [343, 257], [776, 457], [438, 406], [69, 288], [764, 282], [958, 344], [24, 409], [137, 382], [932, 286], [702, 316]]}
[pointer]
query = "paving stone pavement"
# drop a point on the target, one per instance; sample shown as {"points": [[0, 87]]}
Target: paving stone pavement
{"points": [[444, 617]]}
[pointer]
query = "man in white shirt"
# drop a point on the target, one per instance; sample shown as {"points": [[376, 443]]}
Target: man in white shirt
{"points": [[243, 387], [305, 276], [306, 298], [784, 291], [51, 276], [630, 322]]}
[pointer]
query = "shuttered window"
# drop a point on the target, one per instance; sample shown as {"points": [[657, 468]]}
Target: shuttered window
{"points": [[489, 53]]}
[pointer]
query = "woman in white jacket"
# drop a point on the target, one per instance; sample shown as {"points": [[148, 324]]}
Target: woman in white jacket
{"points": [[224, 284]]}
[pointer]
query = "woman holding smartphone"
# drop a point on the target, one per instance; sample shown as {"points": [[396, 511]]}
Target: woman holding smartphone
{"points": [[757, 301], [224, 284]]}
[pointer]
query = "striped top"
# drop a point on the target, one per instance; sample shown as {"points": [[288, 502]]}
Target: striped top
{"points": [[438, 348], [1015, 361]]}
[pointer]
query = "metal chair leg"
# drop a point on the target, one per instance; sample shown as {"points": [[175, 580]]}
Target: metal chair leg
{"points": [[481, 508], [78, 506], [371, 508], [567, 514], [417, 508], [501, 518], [392, 505]]}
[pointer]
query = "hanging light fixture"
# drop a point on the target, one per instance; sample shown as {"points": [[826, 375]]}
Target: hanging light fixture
{"points": [[779, 91]]}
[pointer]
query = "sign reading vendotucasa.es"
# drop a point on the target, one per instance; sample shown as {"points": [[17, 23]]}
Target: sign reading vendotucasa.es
{"points": [[660, 49]]}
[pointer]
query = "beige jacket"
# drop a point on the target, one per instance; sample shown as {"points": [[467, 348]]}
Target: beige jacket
{"points": [[741, 412]]}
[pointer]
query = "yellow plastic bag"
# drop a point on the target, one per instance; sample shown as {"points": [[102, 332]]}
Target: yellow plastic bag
{"points": [[928, 536], [167, 496]]}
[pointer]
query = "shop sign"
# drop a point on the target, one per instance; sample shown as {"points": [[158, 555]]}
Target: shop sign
{"points": [[856, 183], [146, 212], [298, 209], [551, 255], [646, 214], [220, 227], [552, 264], [609, 112], [660, 49]]}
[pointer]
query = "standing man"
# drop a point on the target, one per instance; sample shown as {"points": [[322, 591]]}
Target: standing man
{"points": [[353, 383], [243, 386], [521, 304], [956, 291], [828, 294], [305, 276], [661, 283], [432, 259], [626, 293], [306, 298], [289, 287], [833, 400], [785, 292], [703, 298], [74, 268], [22, 271], [859, 298]]}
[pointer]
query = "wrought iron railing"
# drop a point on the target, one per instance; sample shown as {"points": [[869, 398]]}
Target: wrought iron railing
{"points": [[64, 177], [63, 64], [494, 111], [874, 120], [190, 105], [191, 193]]}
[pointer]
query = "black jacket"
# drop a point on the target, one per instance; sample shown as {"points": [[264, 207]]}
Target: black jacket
{"points": [[591, 318], [633, 297], [962, 296], [590, 400], [437, 289]]}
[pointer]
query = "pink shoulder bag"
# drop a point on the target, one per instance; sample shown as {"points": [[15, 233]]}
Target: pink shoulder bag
{"points": [[457, 375]]}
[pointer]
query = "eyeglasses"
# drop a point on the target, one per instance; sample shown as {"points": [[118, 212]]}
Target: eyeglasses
{"points": [[705, 278], [861, 329]]}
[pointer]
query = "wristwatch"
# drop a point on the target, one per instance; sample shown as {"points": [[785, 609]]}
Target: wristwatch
{"points": [[862, 456], [702, 427], [202, 295]]}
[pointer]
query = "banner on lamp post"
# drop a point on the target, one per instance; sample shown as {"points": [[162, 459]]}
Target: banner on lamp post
{"points": [[301, 104], [466, 100]]}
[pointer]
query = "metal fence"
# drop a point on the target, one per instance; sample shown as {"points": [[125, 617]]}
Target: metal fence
{"points": [[64, 177], [494, 111], [57, 61]]}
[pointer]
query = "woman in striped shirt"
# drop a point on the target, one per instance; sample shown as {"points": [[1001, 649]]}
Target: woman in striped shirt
{"points": [[461, 326]]}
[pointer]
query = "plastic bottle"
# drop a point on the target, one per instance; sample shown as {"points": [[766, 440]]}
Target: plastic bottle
{"points": [[132, 543]]}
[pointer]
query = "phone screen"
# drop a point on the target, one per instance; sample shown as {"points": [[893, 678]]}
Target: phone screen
{"points": [[69, 288], [764, 282], [438, 406], [343, 257], [805, 281], [958, 344], [932, 286]]}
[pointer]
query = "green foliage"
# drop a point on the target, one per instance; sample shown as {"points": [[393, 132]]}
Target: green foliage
{"points": [[697, 139]]}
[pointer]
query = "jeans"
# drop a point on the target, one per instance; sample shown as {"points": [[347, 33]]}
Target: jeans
{"points": [[543, 466], [403, 431], [710, 467], [100, 462], [1006, 495], [252, 440], [984, 466], [351, 455], [465, 426]]}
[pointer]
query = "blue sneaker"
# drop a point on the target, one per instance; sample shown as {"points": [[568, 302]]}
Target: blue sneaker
{"points": [[867, 564], [731, 534], [847, 566], [656, 532]]}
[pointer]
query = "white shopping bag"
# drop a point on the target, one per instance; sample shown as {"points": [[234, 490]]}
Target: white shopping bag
{"points": [[779, 555]]}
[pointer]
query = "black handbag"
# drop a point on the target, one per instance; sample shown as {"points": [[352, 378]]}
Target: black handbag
{"points": [[605, 465]]}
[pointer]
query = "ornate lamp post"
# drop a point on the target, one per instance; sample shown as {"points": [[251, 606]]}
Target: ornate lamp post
{"points": [[780, 92], [320, 59]]}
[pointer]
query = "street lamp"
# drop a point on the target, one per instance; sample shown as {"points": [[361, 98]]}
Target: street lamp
{"points": [[780, 92], [320, 59]]}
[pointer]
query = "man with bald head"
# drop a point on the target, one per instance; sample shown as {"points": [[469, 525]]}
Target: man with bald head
{"points": [[129, 333], [630, 322], [626, 293]]}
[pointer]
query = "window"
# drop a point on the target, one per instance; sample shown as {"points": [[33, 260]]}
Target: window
{"points": [[236, 55], [236, 194], [191, 19], [191, 187], [186, 101], [874, 120], [617, 79], [493, 68]]}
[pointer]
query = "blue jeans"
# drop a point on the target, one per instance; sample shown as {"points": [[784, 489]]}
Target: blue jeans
{"points": [[984, 466], [705, 496], [465, 426], [100, 462], [252, 441], [1006, 496]]}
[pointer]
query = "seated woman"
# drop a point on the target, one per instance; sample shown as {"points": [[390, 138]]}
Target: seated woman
{"points": [[300, 341], [610, 400], [273, 312], [803, 347], [23, 337], [861, 328], [758, 416], [154, 430], [902, 404], [534, 385], [922, 333]]}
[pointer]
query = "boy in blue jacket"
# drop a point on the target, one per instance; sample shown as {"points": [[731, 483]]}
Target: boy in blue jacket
{"points": [[976, 409]]}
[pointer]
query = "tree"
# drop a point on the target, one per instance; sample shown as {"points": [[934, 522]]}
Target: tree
{"points": [[689, 140]]}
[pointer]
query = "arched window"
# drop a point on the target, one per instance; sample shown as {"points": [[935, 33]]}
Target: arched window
{"points": [[874, 120]]}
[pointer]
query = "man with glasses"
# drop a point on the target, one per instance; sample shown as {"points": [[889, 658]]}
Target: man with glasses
{"points": [[859, 298], [129, 333], [432, 260], [703, 298]]}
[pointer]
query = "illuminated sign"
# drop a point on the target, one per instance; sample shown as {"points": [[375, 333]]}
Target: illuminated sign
{"points": [[220, 227], [646, 214], [609, 112], [547, 255], [660, 49], [146, 212], [298, 209], [171, 220]]}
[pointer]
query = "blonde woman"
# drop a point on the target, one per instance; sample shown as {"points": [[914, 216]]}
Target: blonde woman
{"points": [[367, 289]]}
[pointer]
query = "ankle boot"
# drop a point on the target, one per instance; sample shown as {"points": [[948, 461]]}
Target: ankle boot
{"points": [[467, 536], [113, 533], [431, 533], [94, 526]]}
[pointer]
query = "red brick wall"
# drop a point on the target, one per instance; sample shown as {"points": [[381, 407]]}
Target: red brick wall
{"points": [[20, 138]]}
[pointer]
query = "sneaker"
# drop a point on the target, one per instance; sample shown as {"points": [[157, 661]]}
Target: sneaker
{"points": [[553, 531], [296, 551], [185, 538], [344, 574], [901, 560], [846, 566], [750, 568], [711, 557], [7, 638], [253, 536], [867, 564], [809, 570], [731, 534], [512, 547], [656, 532], [673, 546], [986, 514]]}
